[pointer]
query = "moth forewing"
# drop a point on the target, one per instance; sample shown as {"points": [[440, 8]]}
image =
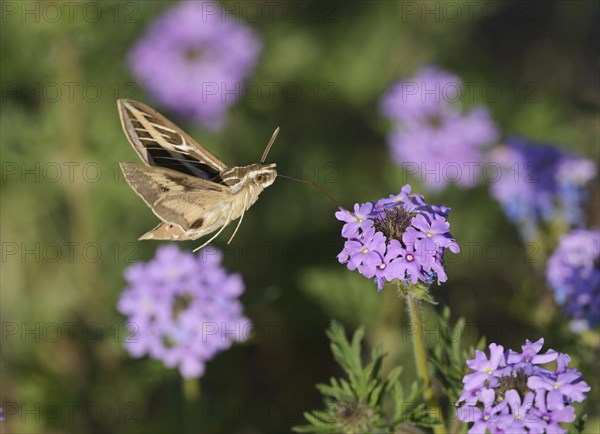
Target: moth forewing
{"points": [[192, 191], [148, 130]]}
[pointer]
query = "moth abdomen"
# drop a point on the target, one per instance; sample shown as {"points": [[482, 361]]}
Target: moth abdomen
{"points": [[165, 231]]}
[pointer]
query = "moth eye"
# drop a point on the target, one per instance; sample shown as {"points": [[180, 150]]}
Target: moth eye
{"points": [[260, 178]]}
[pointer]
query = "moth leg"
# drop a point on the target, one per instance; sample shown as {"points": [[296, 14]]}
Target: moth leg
{"points": [[241, 218], [218, 233]]}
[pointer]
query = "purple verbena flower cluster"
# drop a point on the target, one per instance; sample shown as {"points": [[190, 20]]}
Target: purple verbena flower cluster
{"points": [[194, 59], [512, 392], [540, 184], [398, 237], [183, 309], [431, 136], [573, 273]]}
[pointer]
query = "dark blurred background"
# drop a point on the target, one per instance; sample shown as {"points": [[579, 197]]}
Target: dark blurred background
{"points": [[70, 223]]}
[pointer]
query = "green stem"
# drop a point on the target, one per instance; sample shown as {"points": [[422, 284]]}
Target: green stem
{"points": [[414, 310], [191, 394], [191, 390], [456, 425]]}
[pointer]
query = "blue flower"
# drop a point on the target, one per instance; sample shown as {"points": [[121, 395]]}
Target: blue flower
{"points": [[573, 272], [540, 184]]}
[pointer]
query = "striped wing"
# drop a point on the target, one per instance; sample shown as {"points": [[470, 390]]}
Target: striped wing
{"points": [[159, 142]]}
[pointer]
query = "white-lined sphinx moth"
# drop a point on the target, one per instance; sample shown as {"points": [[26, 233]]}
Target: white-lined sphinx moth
{"points": [[189, 189]]}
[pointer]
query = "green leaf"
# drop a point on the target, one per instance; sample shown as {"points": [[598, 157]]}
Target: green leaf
{"points": [[578, 426], [449, 356], [357, 402]]}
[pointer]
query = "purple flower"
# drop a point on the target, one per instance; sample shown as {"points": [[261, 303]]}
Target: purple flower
{"points": [[530, 356], [486, 370], [431, 136], [367, 251], [537, 185], [383, 267], [400, 237], [410, 263], [562, 361], [483, 417], [522, 417], [428, 234], [569, 385], [511, 392], [551, 414], [193, 60], [573, 272], [183, 309], [356, 220]]}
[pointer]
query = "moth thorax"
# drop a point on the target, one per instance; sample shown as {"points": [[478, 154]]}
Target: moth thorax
{"points": [[261, 175]]}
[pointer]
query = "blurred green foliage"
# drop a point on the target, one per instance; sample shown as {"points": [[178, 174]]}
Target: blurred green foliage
{"points": [[343, 55]]}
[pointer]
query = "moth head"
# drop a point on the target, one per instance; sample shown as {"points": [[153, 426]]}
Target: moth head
{"points": [[264, 174]]}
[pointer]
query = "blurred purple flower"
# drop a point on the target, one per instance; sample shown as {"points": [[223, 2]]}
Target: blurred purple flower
{"points": [[398, 237], [431, 136], [540, 184], [183, 308], [573, 272], [512, 392], [193, 60]]}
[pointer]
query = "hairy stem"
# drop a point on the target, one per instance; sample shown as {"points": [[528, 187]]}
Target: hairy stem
{"points": [[414, 310]]}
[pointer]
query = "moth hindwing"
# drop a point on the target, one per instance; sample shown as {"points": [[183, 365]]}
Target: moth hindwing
{"points": [[187, 187]]}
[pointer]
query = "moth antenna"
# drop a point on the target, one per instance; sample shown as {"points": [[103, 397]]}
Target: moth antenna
{"points": [[313, 184], [218, 233], [241, 218], [268, 148]]}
